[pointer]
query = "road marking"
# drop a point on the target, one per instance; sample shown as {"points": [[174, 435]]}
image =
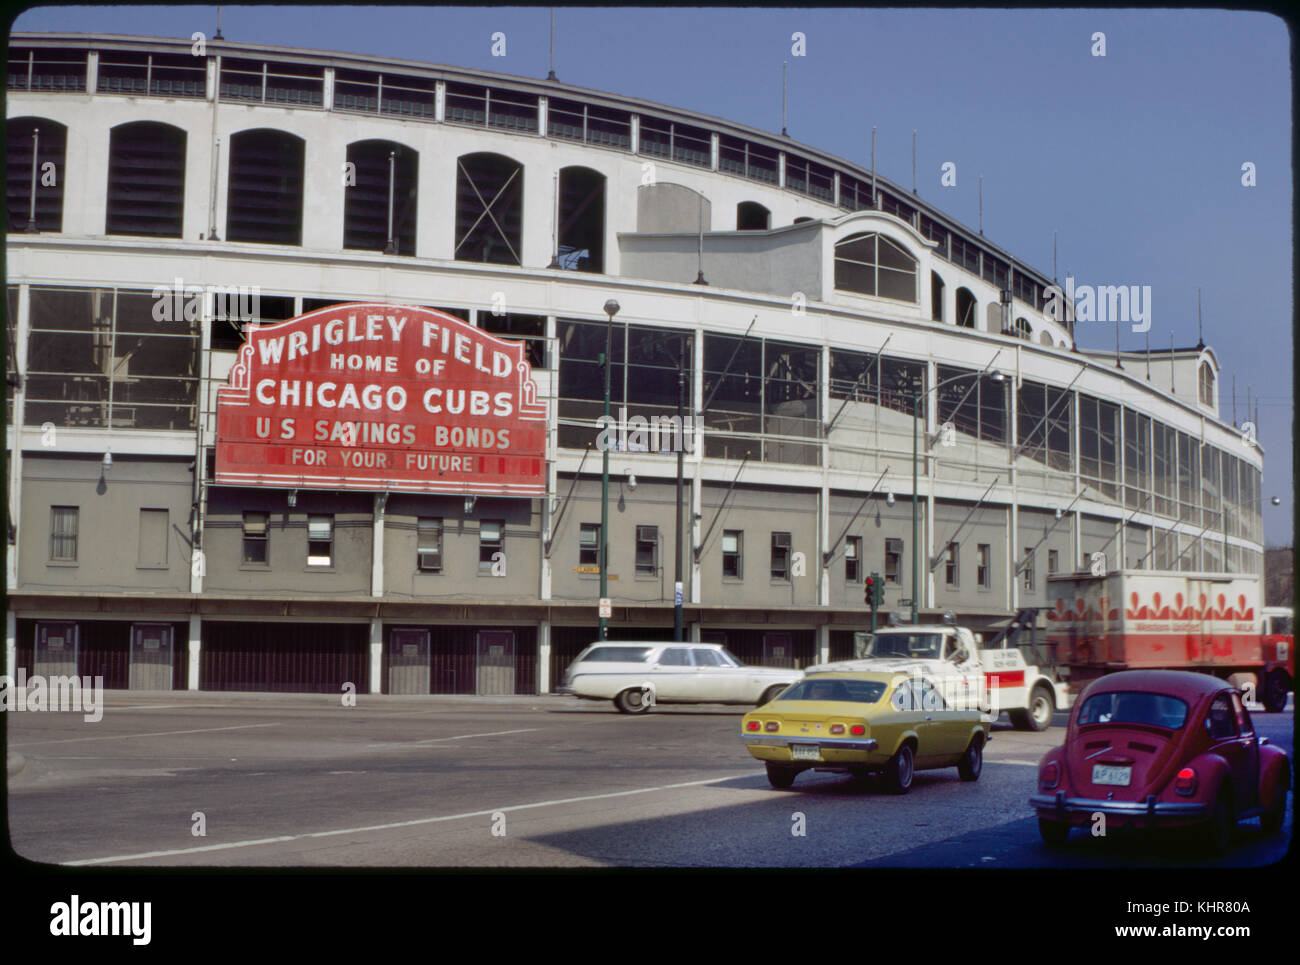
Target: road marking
{"points": [[397, 824], [161, 733], [991, 760], [458, 737], [159, 706]]}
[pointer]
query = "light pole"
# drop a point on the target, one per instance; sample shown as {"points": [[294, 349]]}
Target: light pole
{"points": [[611, 309], [916, 419]]}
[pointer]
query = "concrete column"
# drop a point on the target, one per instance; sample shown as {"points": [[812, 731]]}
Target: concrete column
{"points": [[11, 643], [377, 545], [543, 656], [823, 644], [376, 655], [195, 649], [693, 632]]}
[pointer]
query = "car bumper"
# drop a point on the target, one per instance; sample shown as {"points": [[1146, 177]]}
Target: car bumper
{"points": [[831, 751], [1079, 810]]}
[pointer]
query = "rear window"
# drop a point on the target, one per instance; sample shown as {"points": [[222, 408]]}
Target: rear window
{"points": [[853, 691], [617, 654], [1127, 707]]}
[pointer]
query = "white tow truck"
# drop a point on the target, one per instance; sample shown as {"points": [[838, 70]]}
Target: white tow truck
{"points": [[969, 677]]}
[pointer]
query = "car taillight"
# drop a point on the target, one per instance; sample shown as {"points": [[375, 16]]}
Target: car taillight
{"points": [[1049, 776], [1185, 782], [752, 725], [837, 728], [857, 730], [772, 725]]}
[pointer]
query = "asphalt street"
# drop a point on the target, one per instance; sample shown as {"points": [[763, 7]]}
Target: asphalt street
{"points": [[276, 780]]}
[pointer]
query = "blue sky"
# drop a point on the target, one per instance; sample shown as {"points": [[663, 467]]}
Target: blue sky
{"points": [[1134, 158]]}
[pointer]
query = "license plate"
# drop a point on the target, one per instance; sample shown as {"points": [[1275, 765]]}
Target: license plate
{"points": [[1107, 774], [805, 752]]}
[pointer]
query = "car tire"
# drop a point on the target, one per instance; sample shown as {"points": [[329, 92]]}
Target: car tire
{"points": [[1271, 820], [1216, 833], [632, 701], [1038, 715], [972, 762], [770, 694], [900, 770], [1053, 833], [1276, 687], [781, 775]]}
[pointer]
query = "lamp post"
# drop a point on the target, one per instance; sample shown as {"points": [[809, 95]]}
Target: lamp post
{"points": [[611, 309], [916, 542]]}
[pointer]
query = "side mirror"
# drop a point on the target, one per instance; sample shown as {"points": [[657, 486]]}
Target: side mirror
{"points": [[961, 656]]}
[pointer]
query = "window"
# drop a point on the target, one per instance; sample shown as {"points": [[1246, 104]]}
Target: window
{"points": [[63, 533], [320, 540], [1206, 384], [780, 556], [1053, 562], [975, 403], [1221, 721], [647, 550], [733, 542], [675, 657], [752, 216], [951, 567], [894, 562], [255, 537], [146, 180], [872, 264], [707, 658], [489, 209], [429, 544], [152, 549], [1029, 569], [581, 232], [265, 188], [491, 540], [382, 170], [23, 137], [589, 544], [853, 558], [983, 565]]}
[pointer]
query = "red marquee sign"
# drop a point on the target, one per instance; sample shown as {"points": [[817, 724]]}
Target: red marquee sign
{"points": [[381, 397]]}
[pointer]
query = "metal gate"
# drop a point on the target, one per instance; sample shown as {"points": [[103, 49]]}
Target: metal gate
{"points": [[778, 650], [408, 661], [56, 649], [152, 652], [496, 662]]}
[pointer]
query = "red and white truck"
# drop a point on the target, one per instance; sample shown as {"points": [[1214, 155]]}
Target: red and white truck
{"points": [[1133, 619]]}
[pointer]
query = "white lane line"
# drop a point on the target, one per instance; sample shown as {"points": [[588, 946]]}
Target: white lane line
{"points": [[156, 706], [994, 760], [396, 824], [119, 737], [458, 737]]}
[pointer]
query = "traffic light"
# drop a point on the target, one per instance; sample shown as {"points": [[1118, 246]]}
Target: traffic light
{"points": [[878, 588], [869, 591]]}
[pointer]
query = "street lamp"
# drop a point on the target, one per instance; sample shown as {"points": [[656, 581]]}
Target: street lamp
{"points": [[611, 309], [916, 419]]}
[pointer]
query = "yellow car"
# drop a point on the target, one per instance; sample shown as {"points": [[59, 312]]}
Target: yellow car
{"points": [[858, 723]]}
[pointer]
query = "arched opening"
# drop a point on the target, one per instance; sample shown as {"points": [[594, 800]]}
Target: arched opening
{"points": [[993, 318], [48, 140], [936, 297], [1205, 384], [802, 220], [381, 174], [1023, 330], [581, 232], [146, 180], [966, 308], [752, 216], [872, 264], [1045, 338], [489, 209], [264, 197]]}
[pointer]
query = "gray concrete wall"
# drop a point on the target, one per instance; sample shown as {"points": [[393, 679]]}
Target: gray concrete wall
{"points": [[759, 514], [988, 525], [1032, 524], [877, 522], [108, 543], [667, 207]]}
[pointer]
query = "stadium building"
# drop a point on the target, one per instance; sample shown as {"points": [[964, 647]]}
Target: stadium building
{"points": [[163, 203]]}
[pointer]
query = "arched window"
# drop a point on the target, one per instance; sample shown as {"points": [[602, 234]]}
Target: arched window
{"points": [[264, 197], [871, 264], [1206, 384], [1023, 330], [581, 232], [489, 209], [801, 220], [966, 308], [146, 180], [366, 197], [49, 140], [752, 216], [1045, 337], [936, 297], [993, 318]]}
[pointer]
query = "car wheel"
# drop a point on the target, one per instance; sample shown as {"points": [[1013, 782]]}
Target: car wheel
{"points": [[1271, 820], [781, 775], [1053, 833], [1038, 715], [770, 694], [1217, 832], [1276, 687], [899, 770], [633, 701], [972, 762]]}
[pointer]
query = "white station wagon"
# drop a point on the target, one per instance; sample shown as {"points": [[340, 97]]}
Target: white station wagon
{"points": [[636, 675]]}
